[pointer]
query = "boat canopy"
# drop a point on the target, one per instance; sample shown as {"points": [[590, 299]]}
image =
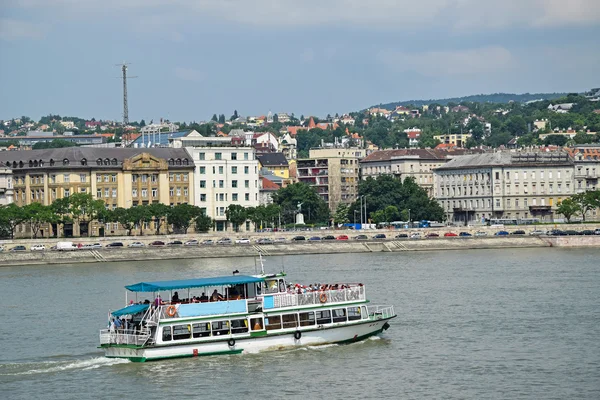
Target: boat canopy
{"points": [[192, 283], [131, 309]]}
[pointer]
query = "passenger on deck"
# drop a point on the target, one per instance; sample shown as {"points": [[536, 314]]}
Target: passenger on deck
{"points": [[158, 301], [175, 298], [203, 298], [118, 324], [216, 296]]}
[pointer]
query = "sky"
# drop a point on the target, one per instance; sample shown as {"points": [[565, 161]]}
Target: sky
{"points": [[194, 58]]}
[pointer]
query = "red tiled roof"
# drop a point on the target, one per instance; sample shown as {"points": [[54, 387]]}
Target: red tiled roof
{"points": [[269, 185], [293, 130], [413, 135]]}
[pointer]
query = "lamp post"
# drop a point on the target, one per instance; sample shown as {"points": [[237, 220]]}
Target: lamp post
{"points": [[409, 224], [361, 211], [355, 211]]}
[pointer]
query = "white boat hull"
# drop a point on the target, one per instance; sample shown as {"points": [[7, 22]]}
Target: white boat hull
{"points": [[333, 334]]}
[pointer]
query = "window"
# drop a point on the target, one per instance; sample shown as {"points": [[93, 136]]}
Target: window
{"points": [[549, 174], [99, 193], [201, 330], [53, 178], [239, 326], [516, 203], [234, 156], [558, 174], [201, 156], [323, 317], [541, 174], [67, 193], [202, 184], [234, 184], [221, 197], [154, 178], [497, 202], [166, 334], [154, 193], [353, 313], [66, 178], [202, 197], [245, 156], [307, 318], [221, 169], [144, 192], [178, 177], [246, 184], [525, 202], [134, 192], [144, 178], [185, 191], [114, 193], [247, 197], [273, 322], [178, 191], [106, 178], [181, 332], [507, 203], [246, 170], [220, 328], [218, 156], [289, 321], [82, 178], [134, 178], [221, 184], [171, 177], [113, 178], [203, 170], [234, 197], [234, 170], [339, 315]]}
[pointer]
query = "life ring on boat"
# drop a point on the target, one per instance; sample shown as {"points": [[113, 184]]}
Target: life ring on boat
{"points": [[297, 335], [323, 298], [231, 342], [171, 311]]}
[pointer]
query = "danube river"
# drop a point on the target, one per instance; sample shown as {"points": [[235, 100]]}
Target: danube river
{"points": [[478, 324]]}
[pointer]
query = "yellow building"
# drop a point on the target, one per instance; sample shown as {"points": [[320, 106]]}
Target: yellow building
{"points": [[276, 164], [119, 177], [458, 139]]}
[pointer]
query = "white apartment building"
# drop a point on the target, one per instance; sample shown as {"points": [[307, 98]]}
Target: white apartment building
{"points": [[475, 188], [6, 186], [224, 175]]}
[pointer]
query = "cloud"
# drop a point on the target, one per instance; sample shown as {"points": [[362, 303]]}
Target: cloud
{"points": [[449, 63], [12, 29], [188, 74]]}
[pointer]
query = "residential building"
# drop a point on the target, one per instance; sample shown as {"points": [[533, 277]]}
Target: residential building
{"points": [[569, 133], [334, 172], [402, 163], [157, 128], [225, 174], [288, 146], [475, 188], [6, 186], [34, 137], [413, 134], [455, 139], [283, 118], [587, 167], [266, 189], [119, 177], [276, 164], [157, 139]]}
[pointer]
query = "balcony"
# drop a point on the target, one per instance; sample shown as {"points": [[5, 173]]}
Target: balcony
{"points": [[540, 209]]}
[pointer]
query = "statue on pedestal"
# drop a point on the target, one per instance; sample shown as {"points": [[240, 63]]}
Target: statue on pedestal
{"points": [[299, 215]]}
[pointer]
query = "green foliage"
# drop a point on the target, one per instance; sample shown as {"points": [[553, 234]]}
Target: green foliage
{"points": [[181, 216], [54, 144], [557, 140], [204, 223], [569, 208], [11, 216], [222, 118], [37, 215], [314, 208], [341, 214], [159, 211], [124, 217], [237, 215], [587, 201]]}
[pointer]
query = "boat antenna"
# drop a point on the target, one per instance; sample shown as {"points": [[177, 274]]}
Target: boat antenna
{"points": [[262, 265]]}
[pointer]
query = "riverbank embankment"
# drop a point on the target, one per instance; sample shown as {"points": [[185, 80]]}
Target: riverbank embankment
{"points": [[292, 248]]}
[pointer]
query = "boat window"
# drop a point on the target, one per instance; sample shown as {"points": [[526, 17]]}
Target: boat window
{"points": [[181, 332], [363, 311], [166, 337], [220, 328], [201, 330], [272, 286], [307, 318], [324, 317], [290, 320], [239, 326], [353, 313], [339, 315], [257, 324], [273, 322]]}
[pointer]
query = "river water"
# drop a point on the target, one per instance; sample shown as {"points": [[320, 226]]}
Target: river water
{"points": [[479, 324]]}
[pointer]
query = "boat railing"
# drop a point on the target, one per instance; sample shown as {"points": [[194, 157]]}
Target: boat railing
{"points": [[380, 312], [137, 338], [356, 293]]}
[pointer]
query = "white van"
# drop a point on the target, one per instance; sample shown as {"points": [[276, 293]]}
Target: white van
{"points": [[65, 246]]}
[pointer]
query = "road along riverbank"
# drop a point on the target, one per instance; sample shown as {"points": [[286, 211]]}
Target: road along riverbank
{"points": [[292, 248]]}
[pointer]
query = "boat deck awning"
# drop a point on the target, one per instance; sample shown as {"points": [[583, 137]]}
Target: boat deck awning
{"points": [[192, 283], [130, 310]]}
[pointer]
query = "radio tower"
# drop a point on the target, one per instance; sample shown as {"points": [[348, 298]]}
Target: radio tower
{"points": [[125, 107]]}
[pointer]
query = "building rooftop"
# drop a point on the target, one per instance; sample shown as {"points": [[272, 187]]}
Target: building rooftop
{"points": [[160, 139], [272, 159], [428, 154], [507, 159], [269, 185]]}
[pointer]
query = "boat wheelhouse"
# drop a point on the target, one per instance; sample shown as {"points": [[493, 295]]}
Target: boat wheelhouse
{"points": [[240, 313]]}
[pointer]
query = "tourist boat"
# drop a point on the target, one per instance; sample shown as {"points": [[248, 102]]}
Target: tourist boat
{"points": [[255, 313]]}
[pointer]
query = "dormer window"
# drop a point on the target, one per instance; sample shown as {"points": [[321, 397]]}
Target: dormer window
{"points": [[41, 163], [30, 163], [35, 163], [51, 162], [178, 162], [106, 161], [114, 161], [171, 161], [20, 164], [66, 161], [186, 161], [99, 161], [83, 161]]}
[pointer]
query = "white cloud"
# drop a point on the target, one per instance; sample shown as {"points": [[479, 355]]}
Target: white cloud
{"points": [[188, 74], [12, 29], [454, 63]]}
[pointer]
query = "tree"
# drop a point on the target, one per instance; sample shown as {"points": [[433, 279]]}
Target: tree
{"points": [[61, 208], [237, 215], [54, 144], [314, 207], [181, 216], [204, 223], [275, 118], [587, 201], [215, 118], [341, 214], [38, 215], [139, 215], [557, 140], [234, 116], [11, 216], [159, 211], [222, 118], [124, 217], [569, 208], [391, 213], [84, 208], [142, 123], [257, 215]]}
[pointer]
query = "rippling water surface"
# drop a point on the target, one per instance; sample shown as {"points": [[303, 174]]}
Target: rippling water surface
{"points": [[497, 324]]}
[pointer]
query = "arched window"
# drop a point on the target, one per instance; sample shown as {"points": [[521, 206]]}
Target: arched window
{"points": [[171, 161], [14, 164], [106, 161], [178, 162], [35, 163], [65, 161], [8, 164], [99, 161], [30, 163], [41, 163], [186, 161], [114, 161], [83, 161], [20, 164], [51, 162]]}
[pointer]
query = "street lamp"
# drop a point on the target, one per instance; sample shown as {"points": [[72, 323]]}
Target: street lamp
{"points": [[409, 224], [355, 211]]}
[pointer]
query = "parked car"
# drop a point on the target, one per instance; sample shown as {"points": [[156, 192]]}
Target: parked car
{"points": [[572, 232], [280, 240], [501, 233], [342, 237], [115, 244], [208, 242], [597, 231], [18, 248], [518, 232], [37, 247], [224, 241], [361, 237], [432, 235], [298, 238], [90, 246], [192, 242], [415, 235], [314, 238], [557, 232], [1, 249], [136, 244], [65, 246], [175, 243], [537, 232], [480, 233], [450, 234], [401, 236], [464, 234], [379, 236], [587, 232], [264, 241], [242, 241], [157, 243], [329, 237]]}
